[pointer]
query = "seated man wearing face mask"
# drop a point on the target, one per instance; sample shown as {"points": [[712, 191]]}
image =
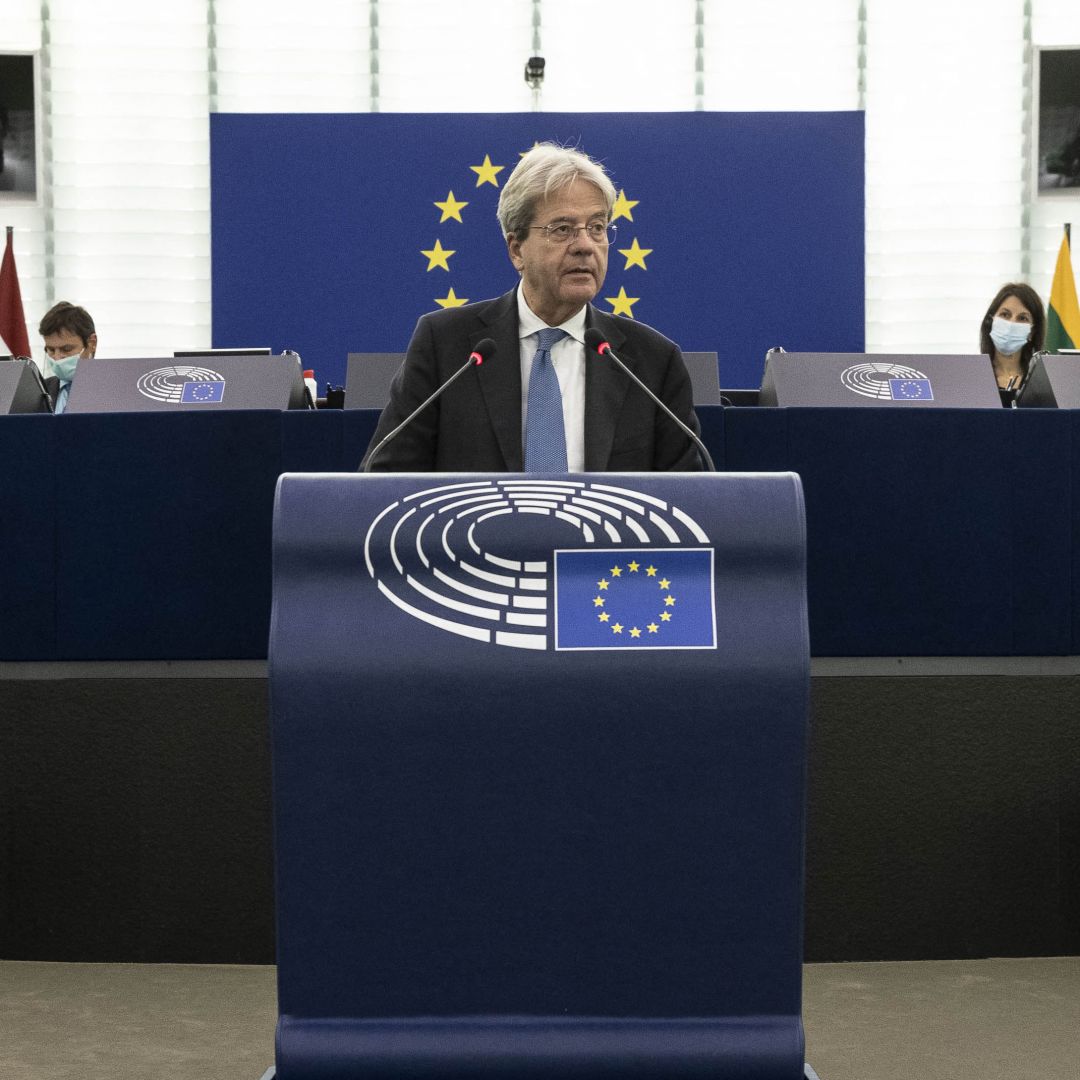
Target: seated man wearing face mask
{"points": [[69, 338]]}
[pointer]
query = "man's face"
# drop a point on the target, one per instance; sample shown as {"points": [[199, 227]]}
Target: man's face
{"points": [[559, 279], [64, 343]]}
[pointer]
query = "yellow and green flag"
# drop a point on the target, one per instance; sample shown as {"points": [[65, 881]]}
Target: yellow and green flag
{"points": [[1063, 319]]}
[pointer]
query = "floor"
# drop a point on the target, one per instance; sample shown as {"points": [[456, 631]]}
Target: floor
{"points": [[935, 1020]]}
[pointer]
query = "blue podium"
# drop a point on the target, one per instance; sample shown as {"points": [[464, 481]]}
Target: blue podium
{"points": [[539, 757]]}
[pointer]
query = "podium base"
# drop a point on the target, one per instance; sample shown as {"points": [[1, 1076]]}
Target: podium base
{"points": [[809, 1074]]}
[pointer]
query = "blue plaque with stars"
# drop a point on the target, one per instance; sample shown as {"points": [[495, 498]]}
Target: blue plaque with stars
{"points": [[911, 390], [647, 599], [202, 393]]}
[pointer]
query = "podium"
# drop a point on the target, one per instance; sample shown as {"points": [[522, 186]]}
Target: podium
{"points": [[173, 384], [539, 772], [879, 380]]}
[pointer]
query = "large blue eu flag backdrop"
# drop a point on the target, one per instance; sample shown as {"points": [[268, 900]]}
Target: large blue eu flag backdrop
{"points": [[736, 231]]}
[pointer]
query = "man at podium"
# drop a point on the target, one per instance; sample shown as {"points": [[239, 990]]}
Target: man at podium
{"points": [[537, 399]]}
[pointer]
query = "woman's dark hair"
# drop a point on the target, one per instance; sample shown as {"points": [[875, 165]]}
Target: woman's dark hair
{"points": [[65, 316], [1030, 299]]}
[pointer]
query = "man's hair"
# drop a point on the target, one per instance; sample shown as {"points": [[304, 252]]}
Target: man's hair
{"points": [[1030, 299], [65, 316], [544, 169]]}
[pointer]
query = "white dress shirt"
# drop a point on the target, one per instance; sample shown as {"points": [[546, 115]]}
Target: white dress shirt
{"points": [[568, 359]]}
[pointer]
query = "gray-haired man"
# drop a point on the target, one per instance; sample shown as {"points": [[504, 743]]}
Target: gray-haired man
{"points": [[542, 404]]}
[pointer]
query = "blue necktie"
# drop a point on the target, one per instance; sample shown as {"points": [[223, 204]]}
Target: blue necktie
{"points": [[545, 435]]}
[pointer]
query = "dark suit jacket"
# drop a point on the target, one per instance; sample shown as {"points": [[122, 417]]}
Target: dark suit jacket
{"points": [[476, 425], [52, 388]]}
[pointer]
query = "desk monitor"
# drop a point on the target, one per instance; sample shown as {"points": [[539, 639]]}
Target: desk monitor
{"points": [[704, 377], [165, 384], [21, 387], [224, 352], [739, 398], [1053, 382], [892, 380], [368, 378]]}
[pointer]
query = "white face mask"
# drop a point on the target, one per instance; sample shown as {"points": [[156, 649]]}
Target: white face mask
{"points": [[1009, 337], [64, 368]]}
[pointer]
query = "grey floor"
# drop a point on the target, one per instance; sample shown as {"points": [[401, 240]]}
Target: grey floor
{"points": [[939, 1020]]}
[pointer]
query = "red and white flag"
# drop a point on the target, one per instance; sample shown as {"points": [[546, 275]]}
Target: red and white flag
{"points": [[12, 319]]}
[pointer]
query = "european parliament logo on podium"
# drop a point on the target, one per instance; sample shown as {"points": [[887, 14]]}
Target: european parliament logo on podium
{"points": [[239, 379], [889, 382], [628, 570], [183, 384]]}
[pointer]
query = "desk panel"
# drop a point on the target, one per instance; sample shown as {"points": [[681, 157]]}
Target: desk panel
{"points": [[27, 527], [163, 534], [929, 533], [951, 532]]}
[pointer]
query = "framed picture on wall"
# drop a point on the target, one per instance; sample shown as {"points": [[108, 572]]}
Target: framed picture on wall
{"points": [[19, 166], [1057, 107]]}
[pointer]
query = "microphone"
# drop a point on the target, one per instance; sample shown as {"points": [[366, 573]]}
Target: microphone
{"points": [[484, 350], [597, 342]]}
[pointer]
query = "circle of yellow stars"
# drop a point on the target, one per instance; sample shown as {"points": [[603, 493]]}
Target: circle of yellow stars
{"points": [[616, 627], [450, 208]]}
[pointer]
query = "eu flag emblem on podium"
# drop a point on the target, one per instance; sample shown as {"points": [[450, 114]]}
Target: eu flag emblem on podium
{"points": [[202, 392], [911, 390], [619, 598]]}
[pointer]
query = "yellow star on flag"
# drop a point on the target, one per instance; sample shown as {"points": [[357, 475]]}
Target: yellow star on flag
{"points": [[604, 616], [603, 583], [623, 206], [487, 173], [451, 208], [651, 571], [665, 583], [617, 628], [616, 571], [669, 600], [665, 616], [635, 632], [598, 601], [653, 628], [621, 304], [438, 256], [450, 300], [635, 255], [633, 567]]}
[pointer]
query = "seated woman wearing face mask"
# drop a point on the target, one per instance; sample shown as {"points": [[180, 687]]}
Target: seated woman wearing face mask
{"points": [[1012, 329], [69, 338]]}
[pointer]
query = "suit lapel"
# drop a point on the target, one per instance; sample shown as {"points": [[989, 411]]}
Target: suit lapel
{"points": [[605, 389], [500, 377]]}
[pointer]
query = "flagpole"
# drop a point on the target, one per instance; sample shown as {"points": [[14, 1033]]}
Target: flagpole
{"points": [[1063, 311]]}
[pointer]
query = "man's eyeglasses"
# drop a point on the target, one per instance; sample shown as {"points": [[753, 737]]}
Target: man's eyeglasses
{"points": [[561, 233]]}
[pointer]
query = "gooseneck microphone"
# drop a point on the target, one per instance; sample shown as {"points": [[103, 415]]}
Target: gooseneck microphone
{"points": [[598, 343], [484, 350]]}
